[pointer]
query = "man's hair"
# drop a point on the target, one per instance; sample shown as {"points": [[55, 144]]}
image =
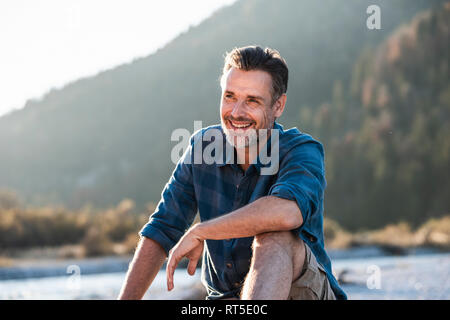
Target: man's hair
{"points": [[256, 58]]}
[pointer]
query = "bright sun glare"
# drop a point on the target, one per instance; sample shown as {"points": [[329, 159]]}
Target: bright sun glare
{"points": [[48, 43]]}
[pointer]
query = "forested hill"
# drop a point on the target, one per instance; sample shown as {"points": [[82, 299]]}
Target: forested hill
{"points": [[105, 138], [387, 131]]}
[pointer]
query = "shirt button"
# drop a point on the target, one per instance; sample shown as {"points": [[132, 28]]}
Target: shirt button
{"points": [[237, 284], [229, 265]]}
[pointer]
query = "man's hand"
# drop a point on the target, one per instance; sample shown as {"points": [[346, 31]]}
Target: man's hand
{"points": [[266, 214], [189, 246]]}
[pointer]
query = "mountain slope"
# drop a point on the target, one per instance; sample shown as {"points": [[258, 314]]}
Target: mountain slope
{"points": [[107, 137]]}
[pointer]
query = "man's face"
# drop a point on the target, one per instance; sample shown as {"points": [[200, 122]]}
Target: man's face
{"points": [[246, 105]]}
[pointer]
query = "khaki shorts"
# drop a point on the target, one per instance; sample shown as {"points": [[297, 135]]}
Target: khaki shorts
{"points": [[313, 283]]}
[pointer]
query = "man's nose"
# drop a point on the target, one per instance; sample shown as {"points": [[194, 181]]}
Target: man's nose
{"points": [[238, 109]]}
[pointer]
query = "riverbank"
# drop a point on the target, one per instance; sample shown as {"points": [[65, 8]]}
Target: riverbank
{"points": [[60, 233], [41, 273]]}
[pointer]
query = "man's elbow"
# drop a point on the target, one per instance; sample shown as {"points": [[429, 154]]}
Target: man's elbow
{"points": [[293, 220]]}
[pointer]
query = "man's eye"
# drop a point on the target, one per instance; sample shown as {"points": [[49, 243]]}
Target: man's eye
{"points": [[252, 101]]}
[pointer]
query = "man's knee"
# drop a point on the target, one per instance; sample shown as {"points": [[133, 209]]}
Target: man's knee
{"points": [[285, 239], [282, 241]]}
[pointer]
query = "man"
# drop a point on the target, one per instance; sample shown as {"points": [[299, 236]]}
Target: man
{"points": [[260, 235]]}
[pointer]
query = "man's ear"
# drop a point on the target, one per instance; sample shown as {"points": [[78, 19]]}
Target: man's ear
{"points": [[279, 105]]}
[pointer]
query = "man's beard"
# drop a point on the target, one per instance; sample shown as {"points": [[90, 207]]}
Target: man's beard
{"points": [[241, 138]]}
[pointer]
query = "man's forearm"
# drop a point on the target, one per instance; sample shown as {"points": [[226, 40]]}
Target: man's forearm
{"points": [[147, 261], [263, 215]]}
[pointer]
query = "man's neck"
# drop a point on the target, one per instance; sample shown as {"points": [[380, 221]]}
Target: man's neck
{"points": [[248, 155]]}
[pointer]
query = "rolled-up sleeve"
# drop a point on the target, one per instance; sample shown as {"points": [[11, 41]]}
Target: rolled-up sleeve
{"points": [[301, 178], [176, 209]]}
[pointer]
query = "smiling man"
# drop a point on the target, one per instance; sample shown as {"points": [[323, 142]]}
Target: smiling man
{"points": [[260, 235]]}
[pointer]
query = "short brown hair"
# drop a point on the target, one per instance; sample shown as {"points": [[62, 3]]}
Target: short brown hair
{"points": [[256, 58]]}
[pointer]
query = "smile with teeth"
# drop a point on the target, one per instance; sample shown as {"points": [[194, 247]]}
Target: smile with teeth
{"points": [[240, 125]]}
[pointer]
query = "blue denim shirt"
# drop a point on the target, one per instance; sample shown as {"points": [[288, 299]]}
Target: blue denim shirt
{"points": [[220, 188]]}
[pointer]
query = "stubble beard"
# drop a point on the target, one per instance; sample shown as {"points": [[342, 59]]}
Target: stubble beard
{"points": [[240, 139]]}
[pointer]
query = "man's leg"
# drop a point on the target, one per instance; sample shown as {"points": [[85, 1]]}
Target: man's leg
{"points": [[277, 260]]}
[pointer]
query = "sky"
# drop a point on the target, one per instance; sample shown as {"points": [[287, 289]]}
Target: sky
{"points": [[46, 44]]}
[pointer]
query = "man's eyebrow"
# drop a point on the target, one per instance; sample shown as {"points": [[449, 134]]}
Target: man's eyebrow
{"points": [[248, 96], [255, 97]]}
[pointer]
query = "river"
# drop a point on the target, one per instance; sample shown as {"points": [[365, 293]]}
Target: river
{"points": [[417, 276]]}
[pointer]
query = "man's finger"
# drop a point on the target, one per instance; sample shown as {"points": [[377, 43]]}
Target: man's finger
{"points": [[192, 266], [170, 270]]}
